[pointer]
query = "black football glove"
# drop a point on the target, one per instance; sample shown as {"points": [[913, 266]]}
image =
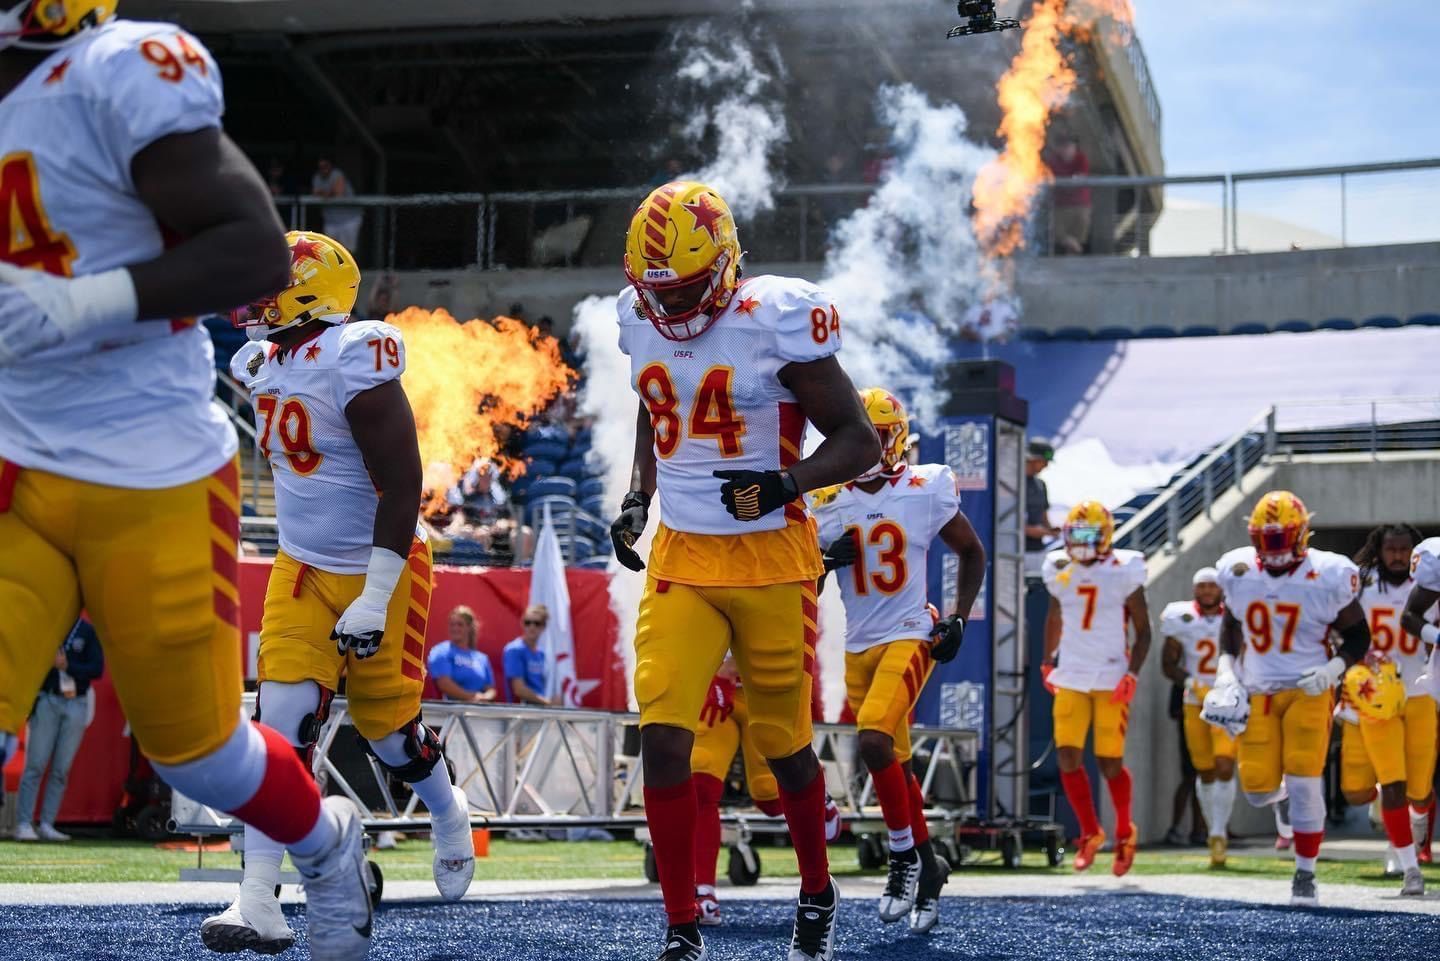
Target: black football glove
{"points": [[626, 529], [947, 635], [841, 552], [751, 494]]}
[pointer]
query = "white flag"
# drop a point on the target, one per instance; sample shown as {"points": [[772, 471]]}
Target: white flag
{"points": [[548, 587]]}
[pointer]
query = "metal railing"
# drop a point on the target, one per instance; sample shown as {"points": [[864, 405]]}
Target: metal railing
{"points": [[1309, 207], [1364, 427], [527, 767]]}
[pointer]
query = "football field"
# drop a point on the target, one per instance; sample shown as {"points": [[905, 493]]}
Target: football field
{"points": [[558, 901]]}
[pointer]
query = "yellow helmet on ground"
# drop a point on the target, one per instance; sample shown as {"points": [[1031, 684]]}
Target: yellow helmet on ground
{"points": [[1088, 532], [46, 24], [1280, 529], [682, 256], [892, 424], [1375, 689], [324, 281]]}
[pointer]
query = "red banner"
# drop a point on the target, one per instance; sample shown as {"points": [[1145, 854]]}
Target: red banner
{"points": [[497, 596]]}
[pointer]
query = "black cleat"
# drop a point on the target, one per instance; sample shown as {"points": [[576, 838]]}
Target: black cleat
{"points": [[683, 943]]}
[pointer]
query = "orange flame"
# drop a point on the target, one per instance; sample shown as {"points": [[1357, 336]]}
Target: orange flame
{"points": [[1039, 81], [465, 380]]}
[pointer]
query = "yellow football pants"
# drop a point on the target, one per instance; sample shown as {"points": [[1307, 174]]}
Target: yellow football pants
{"points": [[683, 633], [1288, 733], [155, 570], [1383, 752], [882, 685], [302, 605], [1075, 712], [715, 748], [1205, 741]]}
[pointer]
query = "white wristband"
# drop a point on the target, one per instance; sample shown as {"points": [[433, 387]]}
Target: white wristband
{"points": [[1430, 634], [97, 300], [1226, 666], [382, 574]]}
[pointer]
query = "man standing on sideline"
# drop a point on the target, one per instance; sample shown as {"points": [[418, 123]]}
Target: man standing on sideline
{"points": [[56, 727], [342, 223], [524, 662], [1038, 528]]}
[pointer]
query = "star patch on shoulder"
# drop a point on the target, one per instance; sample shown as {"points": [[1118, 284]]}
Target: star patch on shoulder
{"points": [[252, 366], [57, 72], [1312, 575], [312, 353], [747, 306], [916, 480]]}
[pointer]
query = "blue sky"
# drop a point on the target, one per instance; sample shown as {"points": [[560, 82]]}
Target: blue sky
{"points": [[1256, 84]]}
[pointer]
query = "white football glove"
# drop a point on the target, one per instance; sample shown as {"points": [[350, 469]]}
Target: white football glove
{"points": [[1318, 680], [362, 627], [1227, 704], [39, 310]]}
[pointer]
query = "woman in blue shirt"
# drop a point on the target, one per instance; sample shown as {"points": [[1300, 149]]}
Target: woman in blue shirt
{"points": [[458, 670]]}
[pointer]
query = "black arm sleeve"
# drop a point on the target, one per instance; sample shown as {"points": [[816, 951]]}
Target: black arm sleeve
{"points": [[1356, 640]]}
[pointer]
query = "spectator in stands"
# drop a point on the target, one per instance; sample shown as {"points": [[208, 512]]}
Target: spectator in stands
{"points": [[57, 725], [460, 671], [1070, 205], [526, 673], [342, 223], [279, 184], [1038, 528], [382, 297]]}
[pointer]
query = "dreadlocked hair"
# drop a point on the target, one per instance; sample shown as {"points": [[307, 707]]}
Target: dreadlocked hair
{"points": [[1367, 558]]}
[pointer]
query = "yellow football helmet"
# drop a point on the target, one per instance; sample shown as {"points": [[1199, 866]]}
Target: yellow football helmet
{"points": [[1088, 532], [324, 281], [682, 256], [891, 423], [1280, 530], [46, 24], [1375, 689]]}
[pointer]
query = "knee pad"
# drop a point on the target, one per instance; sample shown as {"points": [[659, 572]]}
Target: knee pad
{"points": [[297, 711], [1307, 802], [410, 754], [772, 740]]}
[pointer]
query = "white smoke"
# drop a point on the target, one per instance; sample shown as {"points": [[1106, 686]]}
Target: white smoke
{"points": [[728, 100], [905, 270]]}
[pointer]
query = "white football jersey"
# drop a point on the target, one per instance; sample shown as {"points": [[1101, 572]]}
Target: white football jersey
{"points": [[324, 498], [1285, 620], [1199, 637], [1425, 564], [884, 590], [129, 405], [1384, 604], [1094, 648], [716, 401]]}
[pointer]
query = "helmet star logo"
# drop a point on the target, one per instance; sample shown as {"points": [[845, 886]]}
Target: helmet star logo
{"points": [[312, 353], [1366, 690], [304, 249], [747, 306], [705, 216]]}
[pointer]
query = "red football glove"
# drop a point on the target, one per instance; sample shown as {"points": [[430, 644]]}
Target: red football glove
{"points": [[1124, 691], [719, 702], [1046, 669]]}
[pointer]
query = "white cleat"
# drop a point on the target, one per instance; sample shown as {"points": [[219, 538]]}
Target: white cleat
{"points": [[927, 899], [1414, 886], [253, 923], [337, 885], [832, 821], [898, 898], [47, 832], [454, 852], [25, 832]]}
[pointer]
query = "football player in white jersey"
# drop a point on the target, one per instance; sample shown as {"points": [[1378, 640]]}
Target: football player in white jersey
{"points": [[1392, 745], [1191, 633], [880, 526], [350, 587], [1096, 592], [1419, 620], [728, 372], [1281, 600], [127, 212]]}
